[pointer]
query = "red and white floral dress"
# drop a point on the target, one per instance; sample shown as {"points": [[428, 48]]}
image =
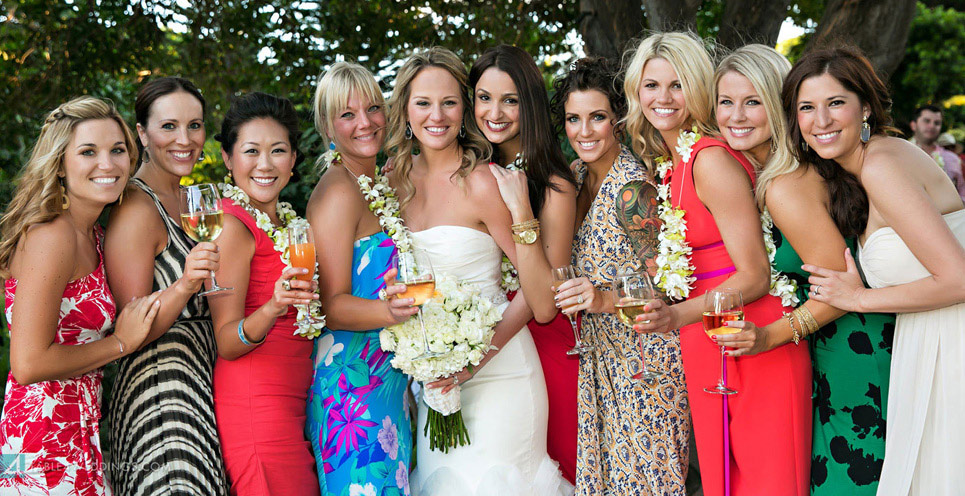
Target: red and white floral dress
{"points": [[49, 435]]}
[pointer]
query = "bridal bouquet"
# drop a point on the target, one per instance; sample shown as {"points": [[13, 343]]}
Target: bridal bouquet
{"points": [[459, 323]]}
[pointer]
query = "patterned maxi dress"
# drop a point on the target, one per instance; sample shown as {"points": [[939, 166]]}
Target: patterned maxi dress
{"points": [[358, 422], [49, 432], [161, 410], [851, 358], [633, 438]]}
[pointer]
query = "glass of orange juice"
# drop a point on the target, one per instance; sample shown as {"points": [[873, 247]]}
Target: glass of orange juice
{"points": [[301, 254]]}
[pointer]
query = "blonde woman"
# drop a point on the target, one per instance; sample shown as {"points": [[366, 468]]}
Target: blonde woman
{"points": [[454, 210], [668, 85], [353, 254], [850, 351], [52, 262]]}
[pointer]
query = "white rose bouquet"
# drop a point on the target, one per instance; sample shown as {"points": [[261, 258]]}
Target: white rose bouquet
{"points": [[459, 323]]}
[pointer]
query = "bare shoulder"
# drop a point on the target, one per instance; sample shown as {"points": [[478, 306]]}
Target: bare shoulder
{"points": [[717, 167], [481, 182], [136, 214], [50, 247], [335, 187], [890, 159], [801, 192], [560, 187]]}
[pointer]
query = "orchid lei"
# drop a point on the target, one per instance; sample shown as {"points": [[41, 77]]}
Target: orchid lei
{"points": [[781, 286], [385, 205], [279, 237], [674, 269]]}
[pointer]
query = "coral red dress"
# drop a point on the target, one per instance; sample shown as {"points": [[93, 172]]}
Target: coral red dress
{"points": [[770, 416], [561, 371], [49, 435], [259, 398]]}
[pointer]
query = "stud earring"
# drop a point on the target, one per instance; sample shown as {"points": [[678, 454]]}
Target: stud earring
{"points": [[865, 130], [408, 132], [228, 179], [201, 157]]}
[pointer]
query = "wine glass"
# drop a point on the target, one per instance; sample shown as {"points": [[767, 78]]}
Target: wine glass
{"points": [[301, 254], [634, 292], [561, 275], [720, 306], [202, 219], [415, 271]]}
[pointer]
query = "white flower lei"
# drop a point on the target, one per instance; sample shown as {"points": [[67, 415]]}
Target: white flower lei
{"points": [[510, 277], [385, 205], [279, 237], [781, 285], [674, 269]]}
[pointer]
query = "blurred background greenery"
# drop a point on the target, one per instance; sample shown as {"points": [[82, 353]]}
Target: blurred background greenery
{"points": [[51, 51]]}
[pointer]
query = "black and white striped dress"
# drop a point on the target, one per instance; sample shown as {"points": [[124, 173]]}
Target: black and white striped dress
{"points": [[164, 440]]}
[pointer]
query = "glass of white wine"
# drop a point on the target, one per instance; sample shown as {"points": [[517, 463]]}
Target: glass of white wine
{"points": [[202, 219], [721, 306], [634, 292], [415, 271], [561, 275]]}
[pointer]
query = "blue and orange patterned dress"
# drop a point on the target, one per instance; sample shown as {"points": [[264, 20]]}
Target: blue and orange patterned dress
{"points": [[358, 422]]}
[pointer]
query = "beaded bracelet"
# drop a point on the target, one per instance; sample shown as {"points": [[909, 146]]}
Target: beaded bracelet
{"points": [[790, 320], [243, 338]]}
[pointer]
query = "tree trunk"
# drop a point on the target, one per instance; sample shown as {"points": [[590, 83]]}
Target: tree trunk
{"points": [[673, 15], [878, 27], [751, 21], [607, 26]]}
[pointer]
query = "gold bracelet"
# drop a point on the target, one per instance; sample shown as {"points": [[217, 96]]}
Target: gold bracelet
{"points": [[526, 232], [526, 225], [807, 320], [796, 337]]}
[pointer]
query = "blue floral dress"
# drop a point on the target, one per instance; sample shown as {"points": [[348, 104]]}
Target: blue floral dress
{"points": [[358, 422]]}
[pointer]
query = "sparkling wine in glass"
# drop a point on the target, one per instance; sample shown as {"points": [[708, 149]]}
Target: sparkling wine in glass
{"points": [[634, 292], [415, 272], [561, 275], [721, 306], [202, 219], [301, 254]]}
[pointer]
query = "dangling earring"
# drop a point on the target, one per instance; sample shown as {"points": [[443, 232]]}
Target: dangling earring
{"points": [[462, 131], [408, 132], [201, 157], [804, 145], [865, 130], [147, 157], [64, 199], [773, 145], [331, 145], [120, 199], [228, 179]]}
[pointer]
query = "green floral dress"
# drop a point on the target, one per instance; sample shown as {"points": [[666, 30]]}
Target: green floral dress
{"points": [[851, 358]]}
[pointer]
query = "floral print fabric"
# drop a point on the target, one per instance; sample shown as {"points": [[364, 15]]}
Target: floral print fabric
{"points": [[358, 421], [49, 436]]}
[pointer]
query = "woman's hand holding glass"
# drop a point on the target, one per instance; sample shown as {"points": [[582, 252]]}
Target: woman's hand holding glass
{"points": [[751, 339], [399, 309], [201, 262], [291, 291], [579, 294], [658, 317]]}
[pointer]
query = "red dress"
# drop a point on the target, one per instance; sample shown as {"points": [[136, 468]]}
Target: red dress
{"points": [[770, 416], [260, 397], [561, 371], [49, 435]]}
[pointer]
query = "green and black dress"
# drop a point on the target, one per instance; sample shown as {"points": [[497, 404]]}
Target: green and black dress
{"points": [[851, 358]]}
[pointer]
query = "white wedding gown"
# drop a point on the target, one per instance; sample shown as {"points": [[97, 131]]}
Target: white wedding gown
{"points": [[504, 405], [925, 438]]}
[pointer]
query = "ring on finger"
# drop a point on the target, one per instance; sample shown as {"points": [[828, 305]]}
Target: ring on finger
{"points": [[455, 380], [383, 295], [579, 299], [285, 283], [817, 289]]}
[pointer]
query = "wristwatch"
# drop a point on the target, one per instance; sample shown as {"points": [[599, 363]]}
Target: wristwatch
{"points": [[526, 237]]}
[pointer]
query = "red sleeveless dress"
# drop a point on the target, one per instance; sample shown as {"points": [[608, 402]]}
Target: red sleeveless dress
{"points": [[770, 416], [260, 397]]}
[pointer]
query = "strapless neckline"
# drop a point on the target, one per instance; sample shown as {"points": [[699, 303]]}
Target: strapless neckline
{"points": [[881, 231], [453, 226]]}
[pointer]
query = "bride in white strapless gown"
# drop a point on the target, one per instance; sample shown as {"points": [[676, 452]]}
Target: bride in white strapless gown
{"points": [[504, 405], [925, 441]]}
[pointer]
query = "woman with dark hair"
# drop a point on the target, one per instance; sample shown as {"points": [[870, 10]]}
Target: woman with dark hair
{"points": [[58, 304], [910, 224], [264, 368], [631, 440], [160, 409], [512, 110]]}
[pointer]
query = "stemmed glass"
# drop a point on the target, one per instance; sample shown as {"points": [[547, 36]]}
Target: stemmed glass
{"points": [[561, 275], [301, 254], [202, 219], [415, 271], [634, 292], [720, 306]]}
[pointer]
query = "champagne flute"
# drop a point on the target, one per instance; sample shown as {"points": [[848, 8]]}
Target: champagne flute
{"points": [[561, 275], [301, 254], [634, 292], [415, 271], [720, 306], [202, 219]]}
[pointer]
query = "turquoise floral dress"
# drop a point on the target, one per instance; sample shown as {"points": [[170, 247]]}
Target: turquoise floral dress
{"points": [[357, 418]]}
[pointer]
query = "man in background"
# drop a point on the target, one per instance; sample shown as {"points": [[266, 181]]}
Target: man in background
{"points": [[926, 126]]}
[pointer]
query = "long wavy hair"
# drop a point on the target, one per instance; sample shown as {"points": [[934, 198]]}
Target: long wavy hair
{"points": [[539, 145], [689, 57], [849, 201], [38, 198], [475, 147], [333, 91], [765, 68]]}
